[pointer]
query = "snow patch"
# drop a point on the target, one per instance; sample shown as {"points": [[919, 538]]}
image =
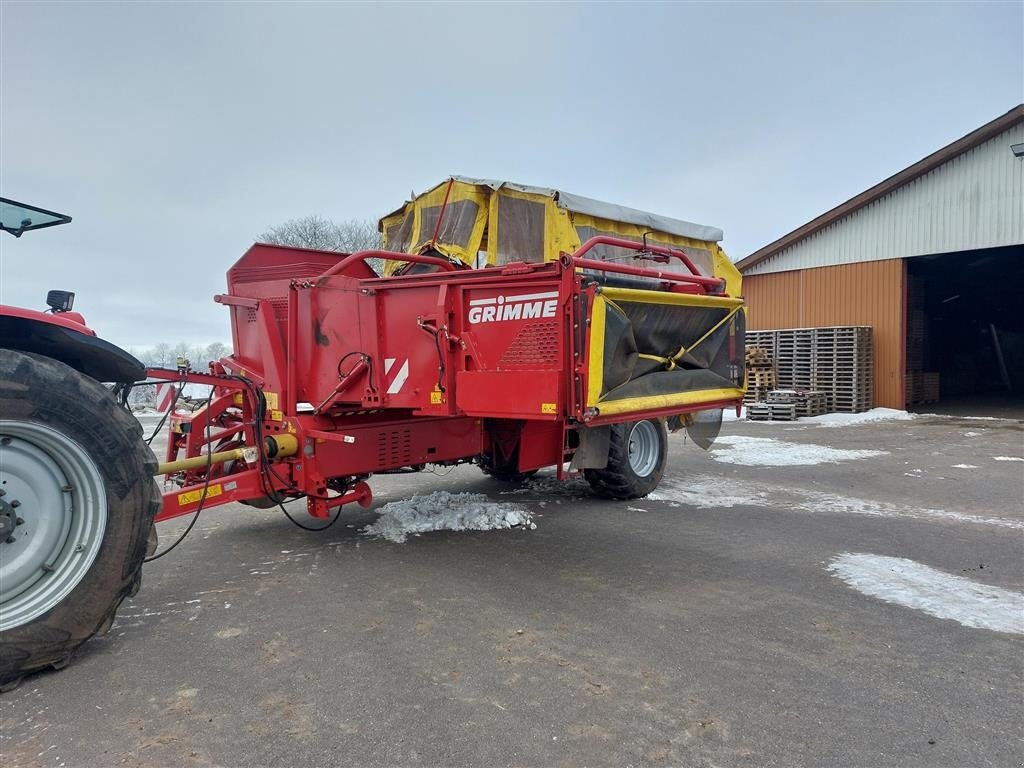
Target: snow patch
{"points": [[444, 511], [769, 452], [965, 466], [1008, 458], [905, 582], [818, 503], [853, 419], [706, 492]]}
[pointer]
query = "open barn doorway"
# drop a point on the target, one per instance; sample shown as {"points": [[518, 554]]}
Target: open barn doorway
{"points": [[965, 333]]}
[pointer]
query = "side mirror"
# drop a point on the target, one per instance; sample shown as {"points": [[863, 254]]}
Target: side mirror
{"points": [[60, 301]]}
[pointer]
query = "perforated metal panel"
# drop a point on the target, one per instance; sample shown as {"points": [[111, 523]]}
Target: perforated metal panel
{"points": [[279, 306], [535, 346], [394, 447]]}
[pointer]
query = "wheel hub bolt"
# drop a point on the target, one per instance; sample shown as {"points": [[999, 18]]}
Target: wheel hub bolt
{"points": [[15, 504], [8, 522]]}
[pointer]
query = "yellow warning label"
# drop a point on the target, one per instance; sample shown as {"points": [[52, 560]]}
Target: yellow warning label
{"points": [[436, 398], [548, 408], [191, 497], [272, 403], [276, 415], [237, 399]]}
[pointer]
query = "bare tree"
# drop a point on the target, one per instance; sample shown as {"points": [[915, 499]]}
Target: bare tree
{"points": [[325, 234], [216, 351], [160, 355]]}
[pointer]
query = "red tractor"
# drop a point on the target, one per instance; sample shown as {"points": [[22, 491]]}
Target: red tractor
{"points": [[474, 348]]}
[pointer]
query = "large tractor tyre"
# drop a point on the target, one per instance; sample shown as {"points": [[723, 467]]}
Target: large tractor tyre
{"points": [[77, 502], [636, 461]]}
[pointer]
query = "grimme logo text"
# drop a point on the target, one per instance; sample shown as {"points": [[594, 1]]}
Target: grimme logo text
{"points": [[522, 307]]}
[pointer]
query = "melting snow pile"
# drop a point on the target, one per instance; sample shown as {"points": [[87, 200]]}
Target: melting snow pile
{"points": [[705, 492], [852, 419], [769, 452], [708, 493], [905, 582], [443, 511]]}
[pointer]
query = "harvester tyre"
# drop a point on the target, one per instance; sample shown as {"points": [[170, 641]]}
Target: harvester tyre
{"points": [[637, 453], [73, 544]]}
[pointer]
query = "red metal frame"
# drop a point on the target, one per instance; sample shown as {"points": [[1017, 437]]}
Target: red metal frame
{"points": [[371, 374], [642, 249], [412, 258]]}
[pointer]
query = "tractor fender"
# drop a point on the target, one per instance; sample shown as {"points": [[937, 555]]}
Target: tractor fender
{"points": [[63, 338]]}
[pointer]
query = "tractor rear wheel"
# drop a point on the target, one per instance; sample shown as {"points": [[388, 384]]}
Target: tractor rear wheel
{"points": [[77, 502], [636, 461]]}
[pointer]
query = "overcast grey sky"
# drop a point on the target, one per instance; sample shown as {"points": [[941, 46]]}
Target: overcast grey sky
{"points": [[175, 133]]}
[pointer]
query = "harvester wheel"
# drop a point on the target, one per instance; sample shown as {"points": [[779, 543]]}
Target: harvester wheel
{"points": [[77, 501], [636, 461]]}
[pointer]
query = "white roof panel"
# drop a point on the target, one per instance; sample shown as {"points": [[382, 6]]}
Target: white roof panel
{"points": [[610, 211]]}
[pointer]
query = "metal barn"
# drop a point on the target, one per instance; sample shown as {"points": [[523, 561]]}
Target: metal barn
{"points": [[933, 259]]}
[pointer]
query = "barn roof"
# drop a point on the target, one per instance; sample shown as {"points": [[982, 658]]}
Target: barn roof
{"points": [[907, 175]]}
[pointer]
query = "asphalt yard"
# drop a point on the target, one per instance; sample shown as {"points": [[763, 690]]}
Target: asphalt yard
{"points": [[803, 594]]}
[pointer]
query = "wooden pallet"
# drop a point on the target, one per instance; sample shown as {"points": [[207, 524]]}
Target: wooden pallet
{"points": [[761, 379], [771, 412], [807, 403]]}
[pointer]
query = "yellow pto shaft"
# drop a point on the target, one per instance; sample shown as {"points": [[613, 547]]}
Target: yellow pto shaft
{"points": [[279, 446]]}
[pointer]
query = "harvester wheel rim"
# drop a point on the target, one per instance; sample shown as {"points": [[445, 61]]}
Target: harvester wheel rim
{"points": [[62, 505], [644, 448]]}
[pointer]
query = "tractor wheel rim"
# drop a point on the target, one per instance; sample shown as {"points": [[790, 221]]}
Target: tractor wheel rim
{"points": [[54, 488], [644, 448]]}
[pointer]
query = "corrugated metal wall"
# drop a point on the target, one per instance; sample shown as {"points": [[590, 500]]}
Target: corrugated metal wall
{"points": [[976, 200], [868, 293]]}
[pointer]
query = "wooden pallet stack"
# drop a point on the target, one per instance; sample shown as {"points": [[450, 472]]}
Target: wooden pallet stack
{"points": [[787, 405], [771, 412], [834, 361], [794, 358], [844, 367], [922, 387], [760, 374], [804, 402]]}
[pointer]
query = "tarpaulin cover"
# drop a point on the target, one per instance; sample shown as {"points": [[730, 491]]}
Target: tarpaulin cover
{"points": [[648, 347], [497, 222]]}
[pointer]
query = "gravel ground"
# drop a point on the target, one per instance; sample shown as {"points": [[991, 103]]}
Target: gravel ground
{"points": [[712, 624]]}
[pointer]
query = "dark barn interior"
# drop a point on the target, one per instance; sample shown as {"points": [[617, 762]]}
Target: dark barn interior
{"points": [[965, 332]]}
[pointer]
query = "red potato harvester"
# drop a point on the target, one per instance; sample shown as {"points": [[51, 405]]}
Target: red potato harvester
{"points": [[515, 327]]}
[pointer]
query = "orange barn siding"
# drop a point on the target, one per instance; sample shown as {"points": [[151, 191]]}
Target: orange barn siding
{"points": [[866, 293]]}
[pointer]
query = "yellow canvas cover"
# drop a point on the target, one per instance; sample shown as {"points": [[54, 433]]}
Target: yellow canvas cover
{"points": [[486, 223]]}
